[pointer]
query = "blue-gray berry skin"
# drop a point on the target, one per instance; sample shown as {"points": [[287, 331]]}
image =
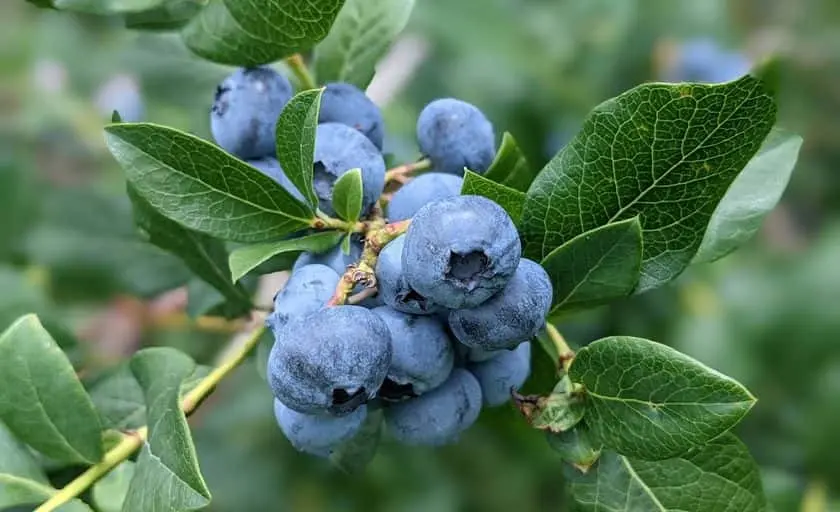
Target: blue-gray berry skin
{"points": [[244, 115], [331, 361], [422, 354], [318, 434], [513, 315], [338, 149], [307, 290], [347, 104], [506, 371], [439, 416], [460, 251], [394, 290], [420, 191], [271, 168], [455, 134]]}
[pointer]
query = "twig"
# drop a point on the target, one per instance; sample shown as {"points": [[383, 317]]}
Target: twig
{"points": [[401, 173], [360, 297], [301, 71], [565, 354]]}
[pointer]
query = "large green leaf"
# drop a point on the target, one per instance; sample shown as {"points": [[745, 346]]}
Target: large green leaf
{"points": [[665, 153], [752, 195], [347, 195], [41, 400], [109, 493], [207, 257], [172, 14], [260, 31], [247, 258], [106, 7], [510, 167], [296, 129], [359, 38], [718, 477], [203, 188], [166, 476], [21, 479], [597, 266], [510, 199], [648, 401]]}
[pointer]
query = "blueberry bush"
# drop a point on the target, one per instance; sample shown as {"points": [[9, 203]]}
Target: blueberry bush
{"points": [[421, 294]]}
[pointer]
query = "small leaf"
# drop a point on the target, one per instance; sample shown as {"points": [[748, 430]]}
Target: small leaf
{"points": [[648, 401], [116, 117], [596, 267], [203, 188], [109, 493], [576, 446], [347, 195], [167, 476], [171, 15], [359, 38], [41, 400], [752, 195], [296, 129], [720, 476], [254, 33], [355, 454], [557, 412], [106, 7], [207, 257], [509, 199], [247, 258], [510, 167], [665, 153]]}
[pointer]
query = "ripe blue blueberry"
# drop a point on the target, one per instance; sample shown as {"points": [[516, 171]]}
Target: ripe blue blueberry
{"points": [[454, 135], [347, 104], [331, 361], [318, 435], [506, 371], [439, 416], [422, 354], [420, 191], [271, 168], [244, 114], [513, 315], [338, 149], [460, 251], [307, 290], [394, 290]]}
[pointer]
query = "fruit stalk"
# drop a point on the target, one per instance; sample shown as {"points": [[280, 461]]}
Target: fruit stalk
{"points": [[301, 71], [401, 173], [565, 355]]}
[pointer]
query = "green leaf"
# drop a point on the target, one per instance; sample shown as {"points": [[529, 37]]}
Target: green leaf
{"points": [[576, 446], [718, 477], [356, 453], [207, 257], [21, 479], [752, 195], [167, 476], [171, 15], [648, 401], [203, 188], [663, 152], [109, 493], [510, 167], [561, 410], [347, 195], [509, 199], [254, 33], [346, 245], [247, 258], [596, 267], [359, 38], [106, 7], [41, 400], [296, 129]]}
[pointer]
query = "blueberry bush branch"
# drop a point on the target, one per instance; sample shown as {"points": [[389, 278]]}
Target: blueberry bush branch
{"points": [[565, 355], [402, 173]]}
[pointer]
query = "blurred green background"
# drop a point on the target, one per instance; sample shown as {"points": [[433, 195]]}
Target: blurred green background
{"points": [[768, 315]]}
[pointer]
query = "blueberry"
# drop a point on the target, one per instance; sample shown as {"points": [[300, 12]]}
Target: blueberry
{"points": [[331, 361], [460, 251], [422, 354], [271, 168], [338, 149], [307, 290], [393, 288], [513, 315], [703, 60], [455, 135], [318, 435], [439, 416], [506, 371], [347, 104], [423, 189], [244, 115]]}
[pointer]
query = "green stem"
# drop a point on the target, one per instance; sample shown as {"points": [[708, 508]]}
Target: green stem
{"points": [[323, 221], [132, 442], [399, 173], [564, 353], [301, 71]]}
